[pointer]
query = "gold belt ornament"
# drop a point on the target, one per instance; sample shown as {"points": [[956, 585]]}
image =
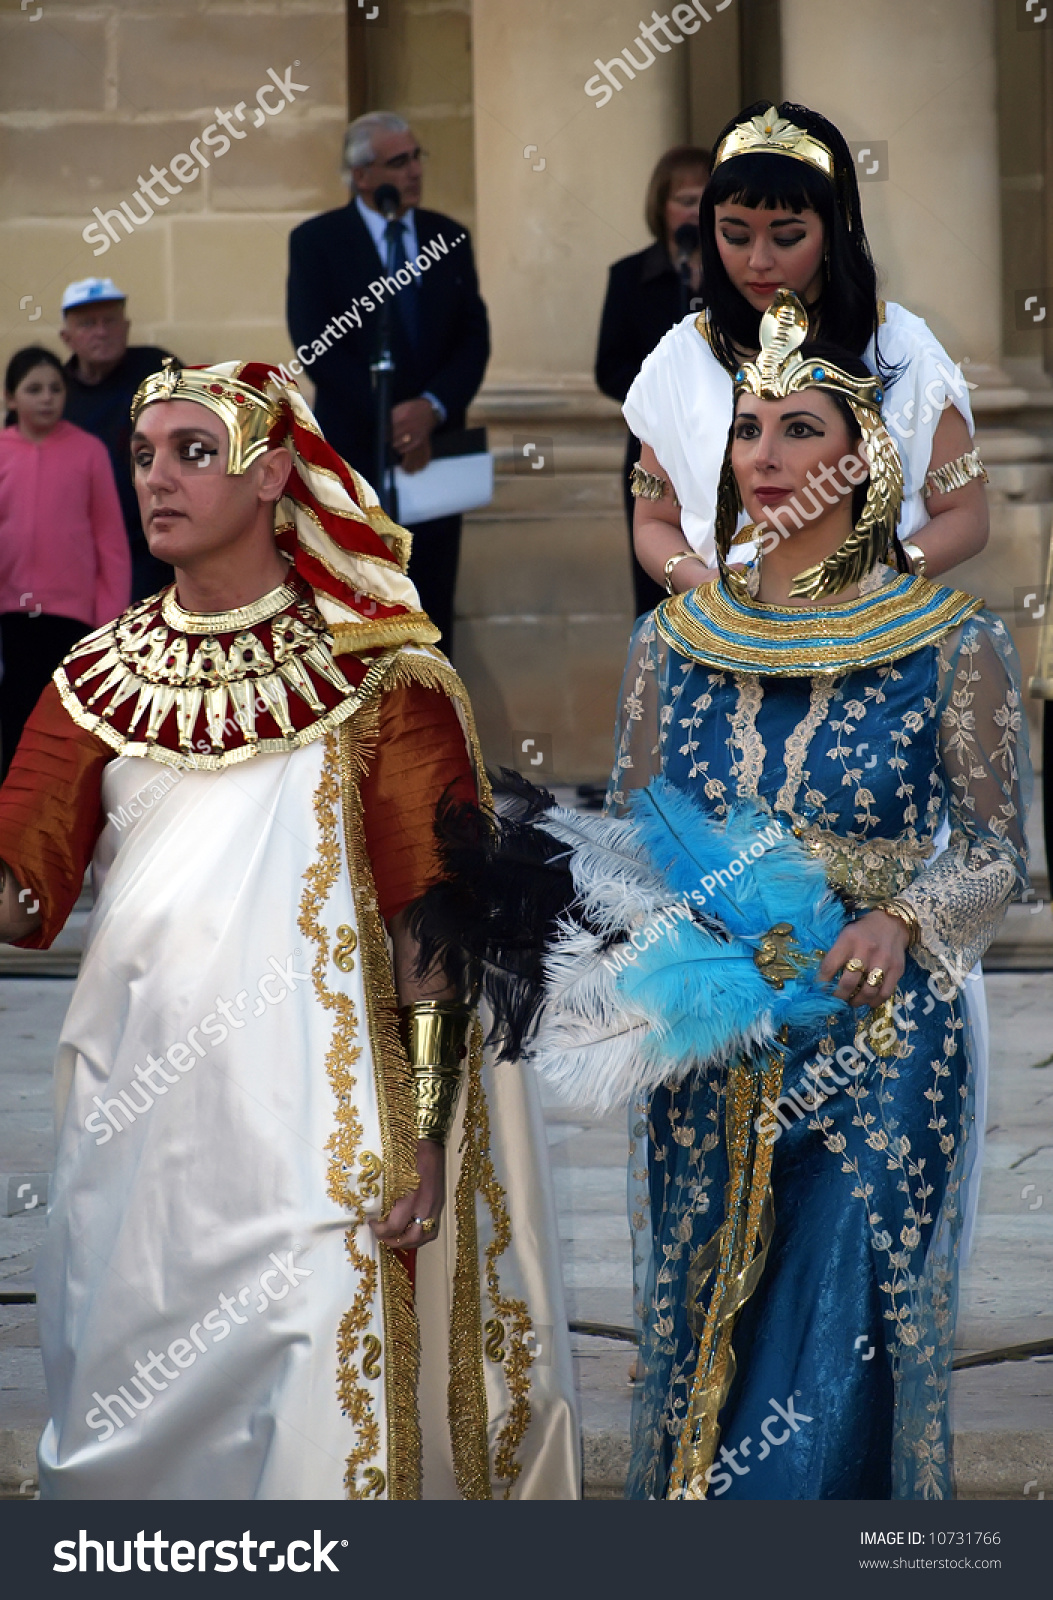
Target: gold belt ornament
{"points": [[735, 1259]]}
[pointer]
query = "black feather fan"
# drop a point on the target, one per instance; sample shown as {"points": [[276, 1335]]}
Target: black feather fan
{"points": [[488, 920]]}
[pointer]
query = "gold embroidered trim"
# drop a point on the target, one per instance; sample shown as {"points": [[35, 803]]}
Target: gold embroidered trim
{"points": [[737, 1256], [866, 871], [262, 610], [343, 1145], [478, 1175], [745, 735], [394, 1101], [837, 648], [466, 1394], [798, 742], [467, 1390], [354, 637]]}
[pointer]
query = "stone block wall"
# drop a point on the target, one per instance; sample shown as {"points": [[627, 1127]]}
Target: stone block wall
{"points": [[92, 96]]}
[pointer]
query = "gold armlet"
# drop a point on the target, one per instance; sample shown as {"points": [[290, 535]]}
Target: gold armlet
{"points": [[955, 475], [435, 1034], [903, 912], [650, 485], [681, 555], [919, 562]]}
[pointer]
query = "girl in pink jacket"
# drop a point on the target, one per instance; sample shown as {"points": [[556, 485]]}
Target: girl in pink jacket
{"points": [[64, 562]]}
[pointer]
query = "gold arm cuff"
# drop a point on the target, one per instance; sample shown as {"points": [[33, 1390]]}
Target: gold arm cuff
{"points": [[955, 474], [681, 555], [919, 561], [905, 914], [435, 1034], [650, 485]]}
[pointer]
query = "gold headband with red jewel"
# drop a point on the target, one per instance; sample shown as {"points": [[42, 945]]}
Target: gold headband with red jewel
{"points": [[248, 414]]}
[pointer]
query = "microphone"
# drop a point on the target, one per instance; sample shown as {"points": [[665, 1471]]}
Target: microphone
{"points": [[686, 238], [388, 201]]}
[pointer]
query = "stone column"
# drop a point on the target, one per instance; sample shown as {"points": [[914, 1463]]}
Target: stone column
{"points": [[560, 176], [921, 79]]}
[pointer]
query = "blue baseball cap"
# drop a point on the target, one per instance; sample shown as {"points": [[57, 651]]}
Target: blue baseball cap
{"points": [[86, 291]]}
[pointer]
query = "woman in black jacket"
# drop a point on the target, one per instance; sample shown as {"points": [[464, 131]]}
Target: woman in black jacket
{"points": [[646, 295]]}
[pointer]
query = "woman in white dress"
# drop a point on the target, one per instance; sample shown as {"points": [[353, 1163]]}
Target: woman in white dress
{"points": [[782, 210]]}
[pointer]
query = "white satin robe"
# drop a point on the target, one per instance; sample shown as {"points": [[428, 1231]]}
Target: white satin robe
{"points": [[202, 1232]]}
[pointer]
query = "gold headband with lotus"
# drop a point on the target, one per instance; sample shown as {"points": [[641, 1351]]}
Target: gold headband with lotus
{"points": [[770, 134], [247, 413], [779, 371]]}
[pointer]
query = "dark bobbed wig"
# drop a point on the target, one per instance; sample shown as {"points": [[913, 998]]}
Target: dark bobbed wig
{"points": [[845, 314], [22, 362]]}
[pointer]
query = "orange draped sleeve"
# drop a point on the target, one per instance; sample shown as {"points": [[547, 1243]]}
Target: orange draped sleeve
{"points": [[51, 811], [420, 755]]}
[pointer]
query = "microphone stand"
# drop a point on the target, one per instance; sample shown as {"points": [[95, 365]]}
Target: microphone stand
{"points": [[382, 368], [686, 240]]}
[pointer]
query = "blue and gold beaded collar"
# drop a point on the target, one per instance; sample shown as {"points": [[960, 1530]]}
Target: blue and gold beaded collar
{"points": [[711, 626]]}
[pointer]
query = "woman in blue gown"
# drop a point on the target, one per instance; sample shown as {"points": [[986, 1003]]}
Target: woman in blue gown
{"points": [[797, 1229]]}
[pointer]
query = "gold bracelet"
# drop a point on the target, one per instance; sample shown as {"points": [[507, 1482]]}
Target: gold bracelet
{"points": [[681, 555], [650, 485], [955, 474], [904, 912], [919, 564], [435, 1034]]}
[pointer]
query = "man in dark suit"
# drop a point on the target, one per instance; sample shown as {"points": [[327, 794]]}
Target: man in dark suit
{"points": [[440, 334]]}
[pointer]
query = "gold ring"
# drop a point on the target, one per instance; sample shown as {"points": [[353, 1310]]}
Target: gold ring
{"points": [[855, 965], [426, 1224], [875, 978]]}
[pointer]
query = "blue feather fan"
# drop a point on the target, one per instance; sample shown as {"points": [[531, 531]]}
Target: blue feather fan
{"points": [[680, 986]]}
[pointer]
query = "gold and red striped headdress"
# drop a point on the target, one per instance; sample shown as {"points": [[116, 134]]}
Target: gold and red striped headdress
{"points": [[329, 521]]}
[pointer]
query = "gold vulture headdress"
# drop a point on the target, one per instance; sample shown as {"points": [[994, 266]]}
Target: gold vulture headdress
{"points": [[247, 412], [779, 371], [770, 134]]}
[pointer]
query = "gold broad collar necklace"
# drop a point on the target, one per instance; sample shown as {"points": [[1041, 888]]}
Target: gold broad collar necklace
{"points": [[209, 690], [716, 628]]}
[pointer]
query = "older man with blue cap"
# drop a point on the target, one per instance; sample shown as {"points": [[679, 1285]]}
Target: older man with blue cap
{"points": [[102, 375]]}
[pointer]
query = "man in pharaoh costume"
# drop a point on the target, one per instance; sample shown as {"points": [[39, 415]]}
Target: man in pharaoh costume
{"points": [[762, 953], [294, 1246]]}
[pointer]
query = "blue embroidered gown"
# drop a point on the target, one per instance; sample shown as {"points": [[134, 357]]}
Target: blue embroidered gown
{"points": [[843, 1348]]}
